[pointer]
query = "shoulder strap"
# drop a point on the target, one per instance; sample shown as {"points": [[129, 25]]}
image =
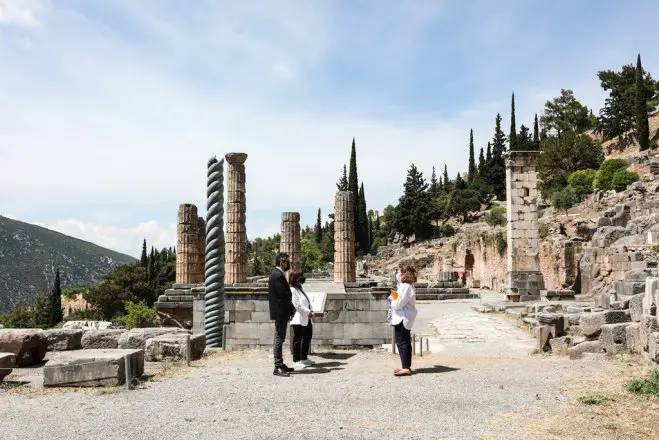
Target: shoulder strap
{"points": [[305, 295]]}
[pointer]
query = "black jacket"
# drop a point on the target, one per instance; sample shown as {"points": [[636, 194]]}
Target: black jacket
{"points": [[279, 296]]}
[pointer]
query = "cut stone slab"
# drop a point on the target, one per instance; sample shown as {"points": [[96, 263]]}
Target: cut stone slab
{"points": [[577, 351], [7, 361], [542, 335], [101, 338], [137, 337], [613, 338], [651, 295], [591, 323], [173, 347], [653, 347], [28, 345], [88, 325], [560, 345], [649, 325], [633, 337], [636, 307], [91, 368], [63, 339]]}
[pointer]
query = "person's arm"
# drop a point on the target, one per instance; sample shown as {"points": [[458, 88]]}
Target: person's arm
{"points": [[298, 303], [405, 292]]}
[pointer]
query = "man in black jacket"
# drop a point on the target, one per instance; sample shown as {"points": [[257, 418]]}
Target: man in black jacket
{"points": [[281, 310]]}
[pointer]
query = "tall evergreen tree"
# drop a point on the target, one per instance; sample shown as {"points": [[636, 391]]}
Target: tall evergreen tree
{"points": [[56, 314], [536, 134], [642, 126], [471, 173], [459, 182], [143, 258], [434, 188], [319, 228], [481, 162], [151, 268], [343, 181], [361, 223], [495, 175], [488, 155], [446, 179], [512, 138], [353, 181], [412, 215]]}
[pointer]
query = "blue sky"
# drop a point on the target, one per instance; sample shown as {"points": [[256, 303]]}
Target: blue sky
{"points": [[110, 110]]}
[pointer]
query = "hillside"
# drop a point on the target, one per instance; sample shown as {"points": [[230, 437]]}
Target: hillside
{"points": [[30, 254]]}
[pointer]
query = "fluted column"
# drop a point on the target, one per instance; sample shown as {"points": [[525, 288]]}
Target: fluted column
{"points": [[344, 237], [236, 232], [290, 237], [189, 251]]}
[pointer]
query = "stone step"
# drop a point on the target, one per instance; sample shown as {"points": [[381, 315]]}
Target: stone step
{"points": [[91, 368]]}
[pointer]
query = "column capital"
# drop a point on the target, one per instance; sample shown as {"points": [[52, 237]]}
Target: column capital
{"points": [[236, 158]]}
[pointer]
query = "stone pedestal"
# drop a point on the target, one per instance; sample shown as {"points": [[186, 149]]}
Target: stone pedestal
{"points": [[344, 237], [190, 244], [290, 237], [525, 280], [236, 232]]}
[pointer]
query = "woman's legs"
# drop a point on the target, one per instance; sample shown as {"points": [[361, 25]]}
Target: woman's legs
{"points": [[298, 333], [306, 341], [404, 344]]}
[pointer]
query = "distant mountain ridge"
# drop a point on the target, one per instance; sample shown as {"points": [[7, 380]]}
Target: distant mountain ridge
{"points": [[30, 254]]}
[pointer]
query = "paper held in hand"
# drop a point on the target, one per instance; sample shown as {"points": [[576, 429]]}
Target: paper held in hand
{"points": [[394, 294], [317, 301]]}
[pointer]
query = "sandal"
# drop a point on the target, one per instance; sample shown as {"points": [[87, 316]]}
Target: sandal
{"points": [[403, 372]]}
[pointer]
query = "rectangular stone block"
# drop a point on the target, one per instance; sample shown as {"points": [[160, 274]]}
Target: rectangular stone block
{"points": [[89, 368], [651, 296], [245, 330]]}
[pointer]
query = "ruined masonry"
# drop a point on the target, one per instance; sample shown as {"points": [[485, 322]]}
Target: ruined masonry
{"points": [[190, 245], [344, 237], [236, 232], [290, 237], [525, 280]]}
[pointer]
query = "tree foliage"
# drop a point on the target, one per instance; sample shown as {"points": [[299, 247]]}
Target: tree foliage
{"points": [[581, 182], [641, 108], [413, 210], [563, 199], [608, 168], [623, 178], [564, 113]]}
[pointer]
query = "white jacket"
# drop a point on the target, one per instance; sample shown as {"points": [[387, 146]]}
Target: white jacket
{"points": [[302, 308], [403, 309]]}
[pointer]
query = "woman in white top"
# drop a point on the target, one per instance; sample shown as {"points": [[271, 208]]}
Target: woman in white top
{"points": [[403, 312], [301, 322]]}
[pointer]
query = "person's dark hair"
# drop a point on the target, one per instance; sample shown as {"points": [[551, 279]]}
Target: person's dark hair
{"points": [[296, 279], [408, 274], [282, 256]]}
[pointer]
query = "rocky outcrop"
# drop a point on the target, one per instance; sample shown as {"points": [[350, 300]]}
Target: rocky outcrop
{"points": [[29, 346]]}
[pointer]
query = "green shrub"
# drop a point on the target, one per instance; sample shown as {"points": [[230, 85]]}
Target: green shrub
{"points": [[20, 317], [564, 199], [582, 182], [622, 179], [648, 387], [138, 315], [496, 216], [604, 177], [501, 242], [446, 230]]}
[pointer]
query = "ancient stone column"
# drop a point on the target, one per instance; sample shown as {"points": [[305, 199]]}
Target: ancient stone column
{"points": [[344, 237], [290, 237], [525, 280], [236, 232], [189, 253]]}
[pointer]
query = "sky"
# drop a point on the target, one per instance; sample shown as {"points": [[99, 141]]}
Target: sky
{"points": [[110, 110]]}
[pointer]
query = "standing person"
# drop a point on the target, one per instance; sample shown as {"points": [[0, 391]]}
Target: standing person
{"points": [[403, 312], [281, 310], [301, 322]]}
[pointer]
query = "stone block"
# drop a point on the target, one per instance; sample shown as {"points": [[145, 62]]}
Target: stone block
{"points": [[137, 337], [577, 351], [573, 318], [651, 295], [636, 307], [613, 338], [591, 323], [245, 330], [90, 368], [560, 345], [7, 362], [633, 337], [88, 325], [28, 345], [174, 347], [542, 335], [63, 339], [98, 339], [653, 347], [649, 325]]}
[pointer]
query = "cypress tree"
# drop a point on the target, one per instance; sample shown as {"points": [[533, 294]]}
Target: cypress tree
{"points": [[642, 126], [536, 133], [56, 315], [319, 228], [343, 181], [471, 173], [446, 179], [353, 181], [513, 131], [488, 155], [143, 258], [481, 162], [434, 184], [497, 169], [361, 223], [460, 183]]}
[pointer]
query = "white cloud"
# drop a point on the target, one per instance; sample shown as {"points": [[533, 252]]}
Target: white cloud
{"points": [[20, 12]]}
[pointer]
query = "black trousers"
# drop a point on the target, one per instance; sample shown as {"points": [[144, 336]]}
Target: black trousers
{"points": [[280, 335], [301, 341], [404, 344]]}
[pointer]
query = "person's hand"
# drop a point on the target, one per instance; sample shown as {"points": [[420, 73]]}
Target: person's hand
{"points": [[311, 315]]}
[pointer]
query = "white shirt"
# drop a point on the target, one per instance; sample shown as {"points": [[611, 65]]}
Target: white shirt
{"points": [[403, 309], [302, 308]]}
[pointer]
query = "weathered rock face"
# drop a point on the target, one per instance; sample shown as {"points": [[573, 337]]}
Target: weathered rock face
{"points": [[173, 347], [633, 337], [7, 362], [578, 350], [91, 368], [636, 307], [613, 338], [653, 347], [28, 345], [591, 323], [63, 339], [137, 337], [88, 325], [98, 339]]}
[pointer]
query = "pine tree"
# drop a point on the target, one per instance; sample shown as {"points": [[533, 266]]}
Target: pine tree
{"points": [[143, 258], [151, 268], [481, 162], [495, 174], [343, 181], [412, 215], [434, 188], [446, 179], [536, 134], [488, 155], [513, 130], [459, 182], [319, 228], [471, 173], [56, 315], [642, 126]]}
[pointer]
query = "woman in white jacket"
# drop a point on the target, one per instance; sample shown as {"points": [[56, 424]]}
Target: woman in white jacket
{"points": [[403, 312], [301, 322]]}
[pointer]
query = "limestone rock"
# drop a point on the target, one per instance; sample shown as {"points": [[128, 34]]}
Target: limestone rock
{"points": [[173, 347], [7, 362], [90, 368], [63, 339], [560, 345], [28, 345], [137, 337], [633, 337], [607, 235], [88, 325], [653, 347], [577, 351], [636, 307], [96, 339], [649, 325], [613, 338], [591, 323], [573, 319]]}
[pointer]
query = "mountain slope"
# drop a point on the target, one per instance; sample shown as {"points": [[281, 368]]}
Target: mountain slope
{"points": [[30, 254]]}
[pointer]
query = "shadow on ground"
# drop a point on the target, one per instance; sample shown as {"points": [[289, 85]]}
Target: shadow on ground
{"points": [[435, 369]]}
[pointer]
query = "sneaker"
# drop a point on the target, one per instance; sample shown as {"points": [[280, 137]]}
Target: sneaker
{"points": [[287, 368], [279, 371], [307, 362], [301, 365]]}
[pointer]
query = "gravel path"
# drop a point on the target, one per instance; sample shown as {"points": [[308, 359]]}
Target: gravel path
{"points": [[351, 395]]}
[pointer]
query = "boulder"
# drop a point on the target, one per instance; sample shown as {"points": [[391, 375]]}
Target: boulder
{"points": [[91, 368], [573, 318], [613, 338], [7, 362], [560, 345], [633, 337], [173, 347], [101, 338], [89, 325], [591, 323], [555, 321], [63, 339], [137, 337], [28, 345], [653, 347], [577, 351], [636, 307]]}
